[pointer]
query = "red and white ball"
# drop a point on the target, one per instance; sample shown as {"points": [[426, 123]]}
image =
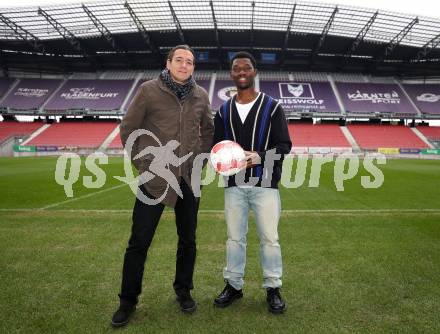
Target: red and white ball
{"points": [[228, 158]]}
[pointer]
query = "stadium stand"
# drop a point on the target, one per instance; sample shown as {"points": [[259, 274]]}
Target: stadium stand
{"points": [[301, 97], [381, 80], [317, 135], [18, 129], [223, 90], [348, 77], [133, 92], [432, 133], [115, 143], [300, 93], [204, 83], [95, 95], [374, 98], [372, 136], [148, 75], [274, 76], [309, 76], [74, 134], [5, 85], [120, 75], [425, 97], [86, 75], [203, 75], [29, 94]]}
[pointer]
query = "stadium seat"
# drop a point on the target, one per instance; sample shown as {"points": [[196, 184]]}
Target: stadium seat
{"points": [[9, 129], [369, 136], [317, 135], [430, 132], [74, 134]]}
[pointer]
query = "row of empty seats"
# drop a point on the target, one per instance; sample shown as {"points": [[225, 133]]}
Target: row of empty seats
{"points": [[430, 132], [391, 136], [301, 94], [366, 136], [317, 135], [93, 135], [74, 94], [76, 134], [17, 129]]}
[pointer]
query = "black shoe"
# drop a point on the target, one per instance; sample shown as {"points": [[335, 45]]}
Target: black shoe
{"points": [[187, 304], [274, 300], [227, 297], [123, 313]]}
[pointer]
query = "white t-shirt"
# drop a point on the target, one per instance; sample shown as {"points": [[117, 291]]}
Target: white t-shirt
{"points": [[243, 109]]}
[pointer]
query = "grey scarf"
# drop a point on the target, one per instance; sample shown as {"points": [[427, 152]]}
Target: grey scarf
{"points": [[181, 91]]}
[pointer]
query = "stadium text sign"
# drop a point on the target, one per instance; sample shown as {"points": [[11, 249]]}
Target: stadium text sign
{"points": [[372, 97], [425, 97], [302, 96], [87, 93]]}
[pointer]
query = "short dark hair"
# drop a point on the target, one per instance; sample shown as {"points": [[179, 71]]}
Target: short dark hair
{"points": [[181, 47], [244, 54]]}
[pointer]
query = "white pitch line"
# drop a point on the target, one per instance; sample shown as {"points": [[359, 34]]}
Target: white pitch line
{"points": [[82, 197], [360, 211]]}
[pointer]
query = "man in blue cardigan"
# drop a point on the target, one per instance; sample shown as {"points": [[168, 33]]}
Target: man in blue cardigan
{"points": [[257, 122]]}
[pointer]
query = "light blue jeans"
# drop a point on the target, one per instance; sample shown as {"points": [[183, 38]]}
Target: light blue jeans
{"points": [[266, 205]]}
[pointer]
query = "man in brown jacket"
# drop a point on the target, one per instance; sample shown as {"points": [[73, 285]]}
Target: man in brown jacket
{"points": [[174, 115]]}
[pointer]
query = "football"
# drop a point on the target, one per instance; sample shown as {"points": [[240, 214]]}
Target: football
{"points": [[227, 158]]}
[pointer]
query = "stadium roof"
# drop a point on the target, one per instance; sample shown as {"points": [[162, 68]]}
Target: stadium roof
{"points": [[283, 34]]}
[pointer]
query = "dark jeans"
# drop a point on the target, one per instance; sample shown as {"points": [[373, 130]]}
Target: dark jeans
{"points": [[145, 220]]}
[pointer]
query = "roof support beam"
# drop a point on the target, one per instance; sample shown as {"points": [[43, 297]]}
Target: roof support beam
{"points": [[25, 35], [177, 23], [252, 24], [358, 39], [389, 48], [217, 38], [428, 47], [324, 34], [4, 64], [103, 30], [142, 29], [286, 36], [68, 36]]}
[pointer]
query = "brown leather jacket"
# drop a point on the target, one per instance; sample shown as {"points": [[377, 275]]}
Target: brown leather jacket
{"points": [[155, 108]]}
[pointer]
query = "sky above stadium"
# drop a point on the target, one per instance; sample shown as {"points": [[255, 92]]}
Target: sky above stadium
{"points": [[430, 8]]}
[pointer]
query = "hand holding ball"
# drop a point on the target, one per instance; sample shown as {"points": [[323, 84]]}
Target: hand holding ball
{"points": [[228, 157]]}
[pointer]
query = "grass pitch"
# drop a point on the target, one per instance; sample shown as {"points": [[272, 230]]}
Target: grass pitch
{"points": [[355, 261]]}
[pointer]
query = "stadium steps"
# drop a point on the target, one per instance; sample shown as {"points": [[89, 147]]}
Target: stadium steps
{"points": [[211, 86], [116, 143], [372, 136], [54, 93], [110, 138], [350, 139], [35, 133], [422, 137], [419, 113], [124, 105]]}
